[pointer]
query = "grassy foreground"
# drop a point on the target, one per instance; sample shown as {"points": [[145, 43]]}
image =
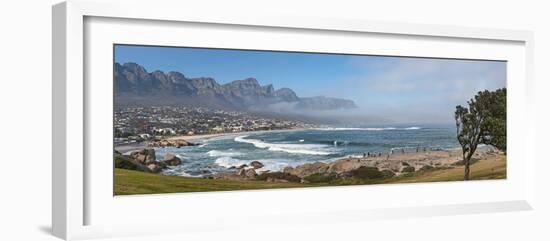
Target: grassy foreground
{"points": [[487, 169], [135, 182]]}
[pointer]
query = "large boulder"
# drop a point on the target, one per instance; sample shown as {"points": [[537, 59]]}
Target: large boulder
{"points": [[144, 156], [307, 169], [250, 173], [256, 164], [126, 162], [156, 167], [179, 143], [345, 165], [247, 173], [171, 160]]}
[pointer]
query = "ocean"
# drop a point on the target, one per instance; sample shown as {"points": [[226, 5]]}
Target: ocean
{"points": [[278, 149]]}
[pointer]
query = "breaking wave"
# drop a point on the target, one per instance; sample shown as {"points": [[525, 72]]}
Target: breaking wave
{"points": [[307, 149], [217, 153], [367, 128]]}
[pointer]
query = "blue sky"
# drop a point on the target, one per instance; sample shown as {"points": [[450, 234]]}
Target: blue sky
{"points": [[398, 89]]}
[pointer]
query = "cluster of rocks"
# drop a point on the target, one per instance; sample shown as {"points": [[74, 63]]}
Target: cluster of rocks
{"points": [[171, 143], [345, 168], [312, 172], [245, 171], [384, 166], [145, 160], [350, 168]]}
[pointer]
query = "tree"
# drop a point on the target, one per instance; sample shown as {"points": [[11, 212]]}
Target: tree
{"points": [[484, 121], [468, 132], [494, 124]]}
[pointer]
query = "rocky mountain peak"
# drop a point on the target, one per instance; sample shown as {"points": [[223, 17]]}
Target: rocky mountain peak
{"points": [[135, 83], [286, 94]]}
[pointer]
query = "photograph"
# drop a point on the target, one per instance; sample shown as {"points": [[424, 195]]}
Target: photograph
{"points": [[190, 119]]}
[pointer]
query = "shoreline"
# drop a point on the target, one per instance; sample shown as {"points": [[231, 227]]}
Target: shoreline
{"points": [[208, 136], [130, 147], [395, 162]]}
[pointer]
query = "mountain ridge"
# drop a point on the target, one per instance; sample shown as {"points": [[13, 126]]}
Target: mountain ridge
{"points": [[134, 85]]}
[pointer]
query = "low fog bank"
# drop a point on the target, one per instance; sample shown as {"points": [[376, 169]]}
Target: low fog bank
{"points": [[359, 116]]}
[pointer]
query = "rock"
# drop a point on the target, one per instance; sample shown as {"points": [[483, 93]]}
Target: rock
{"points": [[288, 169], [405, 164], [155, 167], [171, 160], [264, 171], [179, 143], [242, 166], [144, 156], [256, 164], [241, 172], [307, 169], [126, 162], [345, 165], [250, 173], [408, 169]]}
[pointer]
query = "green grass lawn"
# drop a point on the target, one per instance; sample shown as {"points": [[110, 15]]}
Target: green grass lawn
{"points": [[135, 182], [488, 169]]}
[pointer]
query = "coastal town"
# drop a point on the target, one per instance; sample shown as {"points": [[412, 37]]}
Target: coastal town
{"points": [[137, 124]]}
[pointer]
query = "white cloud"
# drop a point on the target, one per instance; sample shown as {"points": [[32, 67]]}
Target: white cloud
{"points": [[420, 90]]}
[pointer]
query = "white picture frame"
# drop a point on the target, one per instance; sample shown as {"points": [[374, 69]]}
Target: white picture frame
{"points": [[78, 195]]}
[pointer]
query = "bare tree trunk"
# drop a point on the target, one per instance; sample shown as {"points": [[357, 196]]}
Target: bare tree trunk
{"points": [[466, 170], [467, 158]]}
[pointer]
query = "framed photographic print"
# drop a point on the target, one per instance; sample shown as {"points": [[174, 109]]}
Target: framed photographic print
{"points": [[202, 117]]}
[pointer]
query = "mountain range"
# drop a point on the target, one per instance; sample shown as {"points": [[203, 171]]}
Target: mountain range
{"points": [[135, 86]]}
